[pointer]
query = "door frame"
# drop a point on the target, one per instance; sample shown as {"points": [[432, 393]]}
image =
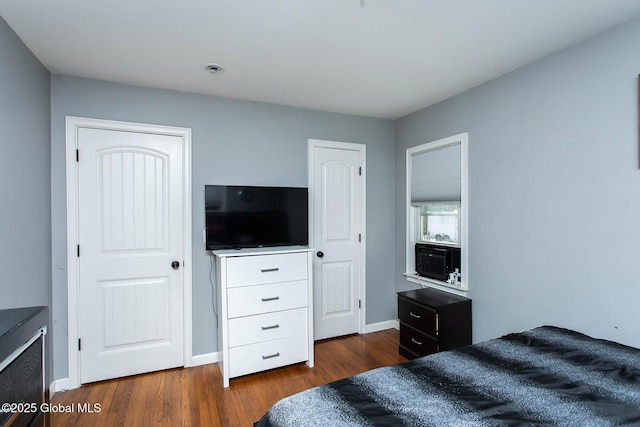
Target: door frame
{"points": [[362, 150], [73, 263]]}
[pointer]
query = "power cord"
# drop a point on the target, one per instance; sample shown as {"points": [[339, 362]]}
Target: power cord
{"points": [[417, 276]]}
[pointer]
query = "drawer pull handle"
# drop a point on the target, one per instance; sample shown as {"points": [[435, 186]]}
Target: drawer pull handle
{"points": [[412, 314], [413, 340], [270, 356], [269, 270], [266, 328], [270, 299]]}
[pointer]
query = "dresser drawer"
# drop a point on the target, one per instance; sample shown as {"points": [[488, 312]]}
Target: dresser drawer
{"points": [[256, 270], [418, 316], [250, 300], [269, 326], [247, 359], [417, 342]]}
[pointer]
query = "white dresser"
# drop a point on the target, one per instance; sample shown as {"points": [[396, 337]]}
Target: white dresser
{"points": [[265, 308]]}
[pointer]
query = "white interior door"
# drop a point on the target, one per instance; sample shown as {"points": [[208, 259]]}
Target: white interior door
{"points": [[130, 231], [337, 191]]}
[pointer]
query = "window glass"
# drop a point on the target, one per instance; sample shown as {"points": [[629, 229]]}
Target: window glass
{"points": [[440, 223]]}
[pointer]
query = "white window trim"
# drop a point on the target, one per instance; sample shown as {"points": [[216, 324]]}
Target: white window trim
{"points": [[412, 217]]}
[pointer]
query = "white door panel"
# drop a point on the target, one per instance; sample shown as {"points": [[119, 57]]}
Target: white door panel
{"points": [[130, 231], [135, 312], [337, 293], [337, 198], [130, 219], [337, 229]]}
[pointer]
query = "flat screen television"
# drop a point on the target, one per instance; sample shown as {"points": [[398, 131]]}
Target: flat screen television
{"points": [[248, 217]]}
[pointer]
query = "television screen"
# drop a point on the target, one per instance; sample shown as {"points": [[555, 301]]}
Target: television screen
{"points": [[248, 217]]}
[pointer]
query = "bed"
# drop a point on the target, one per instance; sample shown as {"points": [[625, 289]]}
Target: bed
{"points": [[545, 376]]}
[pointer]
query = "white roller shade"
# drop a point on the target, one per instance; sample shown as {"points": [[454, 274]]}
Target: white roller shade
{"points": [[435, 175]]}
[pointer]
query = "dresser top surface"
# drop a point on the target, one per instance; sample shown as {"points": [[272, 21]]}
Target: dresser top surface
{"points": [[221, 253], [432, 297]]}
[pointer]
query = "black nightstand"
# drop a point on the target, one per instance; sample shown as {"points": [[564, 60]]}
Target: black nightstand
{"points": [[432, 321]]}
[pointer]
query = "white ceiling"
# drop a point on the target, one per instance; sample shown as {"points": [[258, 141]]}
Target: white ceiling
{"points": [[377, 58]]}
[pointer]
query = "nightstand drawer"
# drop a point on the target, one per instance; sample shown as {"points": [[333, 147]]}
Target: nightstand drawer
{"points": [[417, 342], [418, 316], [256, 270], [250, 300], [269, 326]]}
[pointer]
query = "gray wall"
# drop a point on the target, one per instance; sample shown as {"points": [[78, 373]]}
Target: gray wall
{"points": [[25, 209], [25, 216], [554, 189], [234, 142]]}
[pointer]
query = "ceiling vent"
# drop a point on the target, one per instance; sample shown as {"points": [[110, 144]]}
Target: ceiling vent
{"points": [[214, 68]]}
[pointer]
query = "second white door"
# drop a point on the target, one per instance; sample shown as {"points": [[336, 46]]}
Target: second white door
{"points": [[337, 194]]}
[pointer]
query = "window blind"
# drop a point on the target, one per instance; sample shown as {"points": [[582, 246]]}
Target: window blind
{"points": [[435, 175]]}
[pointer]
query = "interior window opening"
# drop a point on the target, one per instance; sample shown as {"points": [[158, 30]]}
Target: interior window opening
{"points": [[438, 214]]}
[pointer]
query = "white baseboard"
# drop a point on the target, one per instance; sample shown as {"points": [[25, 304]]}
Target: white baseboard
{"points": [[381, 326], [59, 385], [205, 359]]}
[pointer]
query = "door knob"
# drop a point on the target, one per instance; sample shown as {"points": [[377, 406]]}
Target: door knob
{"points": [[175, 265], [320, 254]]}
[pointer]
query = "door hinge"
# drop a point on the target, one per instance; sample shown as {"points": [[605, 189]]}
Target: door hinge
{"points": [[360, 171], [360, 237], [77, 155], [79, 344], [359, 303], [78, 250]]}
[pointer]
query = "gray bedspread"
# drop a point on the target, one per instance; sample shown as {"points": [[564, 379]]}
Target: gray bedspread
{"points": [[546, 376]]}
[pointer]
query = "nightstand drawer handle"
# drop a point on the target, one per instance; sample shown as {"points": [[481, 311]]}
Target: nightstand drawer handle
{"points": [[413, 340], [417, 316], [270, 299], [268, 270], [271, 356], [265, 328]]}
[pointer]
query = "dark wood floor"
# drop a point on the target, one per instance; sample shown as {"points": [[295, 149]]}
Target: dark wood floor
{"points": [[195, 396]]}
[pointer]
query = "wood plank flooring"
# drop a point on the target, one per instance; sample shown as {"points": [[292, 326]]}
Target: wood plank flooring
{"points": [[195, 396]]}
